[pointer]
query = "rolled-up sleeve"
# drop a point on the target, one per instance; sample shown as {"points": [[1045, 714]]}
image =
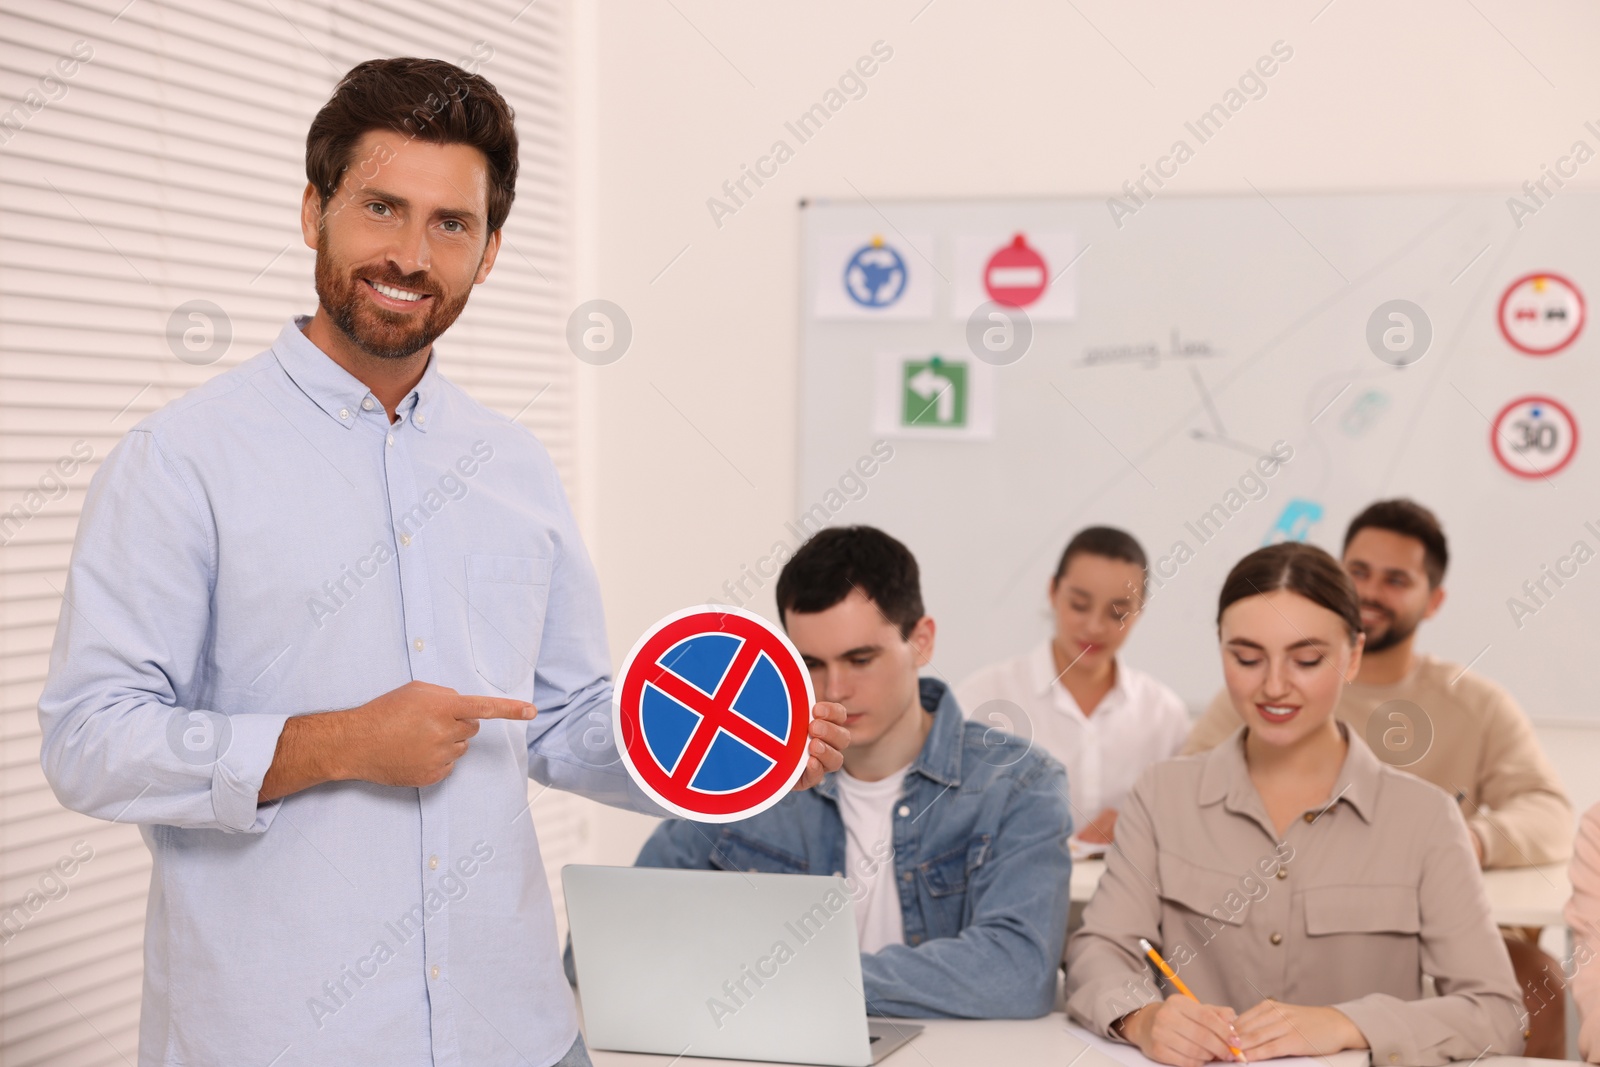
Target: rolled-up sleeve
{"points": [[1479, 1008], [1523, 817], [118, 743]]}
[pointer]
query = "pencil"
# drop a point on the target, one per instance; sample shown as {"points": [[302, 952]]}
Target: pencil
{"points": [[1172, 976]]}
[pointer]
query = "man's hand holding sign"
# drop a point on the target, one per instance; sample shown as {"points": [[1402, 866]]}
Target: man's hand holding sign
{"points": [[716, 718]]}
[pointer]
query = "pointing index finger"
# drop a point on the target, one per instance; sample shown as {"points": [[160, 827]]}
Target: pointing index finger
{"points": [[495, 708]]}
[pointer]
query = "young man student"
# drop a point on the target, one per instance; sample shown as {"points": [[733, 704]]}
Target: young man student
{"points": [[952, 838], [1443, 723], [1105, 720]]}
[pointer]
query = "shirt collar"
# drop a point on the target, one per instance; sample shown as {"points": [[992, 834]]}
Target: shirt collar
{"points": [[338, 392], [940, 758], [1042, 666], [1226, 776], [1045, 679]]}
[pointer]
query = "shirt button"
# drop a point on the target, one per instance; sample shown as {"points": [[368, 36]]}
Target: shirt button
{"points": [[1283, 872], [422, 418], [391, 443], [838, 874], [417, 644], [916, 939], [1310, 817], [435, 971], [906, 877], [1276, 939], [344, 413], [904, 810], [366, 405], [405, 539], [1394, 1057], [433, 863]]}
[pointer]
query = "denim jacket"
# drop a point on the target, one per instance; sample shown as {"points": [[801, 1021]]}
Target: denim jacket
{"points": [[980, 859]]}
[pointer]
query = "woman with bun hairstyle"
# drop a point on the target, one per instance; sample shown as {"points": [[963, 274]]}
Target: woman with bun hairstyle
{"points": [[1299, 887]]}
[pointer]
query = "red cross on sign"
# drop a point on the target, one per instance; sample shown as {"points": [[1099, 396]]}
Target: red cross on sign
{"points": [[713, 711]]}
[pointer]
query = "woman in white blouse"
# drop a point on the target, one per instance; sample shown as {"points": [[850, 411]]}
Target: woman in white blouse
{"points": [[1077, 698]]}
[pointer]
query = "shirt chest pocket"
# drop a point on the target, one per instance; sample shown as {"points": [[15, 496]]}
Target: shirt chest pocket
{"points": [[946, 874], [1214, 897], [506, 599], [1362, 909]]}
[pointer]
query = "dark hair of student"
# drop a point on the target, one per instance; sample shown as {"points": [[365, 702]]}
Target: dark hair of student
{"points": [[839, 559], [421, 99], [1409, 519], [1299, 568], [1107, 541]]}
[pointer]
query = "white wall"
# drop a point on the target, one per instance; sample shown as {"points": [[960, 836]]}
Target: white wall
{"points": [[695, 426]]}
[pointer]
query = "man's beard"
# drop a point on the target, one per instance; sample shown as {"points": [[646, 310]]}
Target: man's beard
{"points": [[1395, 632], [378, 331]]}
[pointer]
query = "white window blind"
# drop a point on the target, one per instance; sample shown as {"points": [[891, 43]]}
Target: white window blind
{"points": [[162, 162]]}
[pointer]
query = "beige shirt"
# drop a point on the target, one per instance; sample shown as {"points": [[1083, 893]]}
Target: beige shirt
{"points": [[1475, 744], [1139, 722], [1583, 916], [1356, 902]]}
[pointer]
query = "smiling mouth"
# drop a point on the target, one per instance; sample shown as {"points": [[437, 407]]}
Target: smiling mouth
{"points": [[393, 296], [1277, 712]]}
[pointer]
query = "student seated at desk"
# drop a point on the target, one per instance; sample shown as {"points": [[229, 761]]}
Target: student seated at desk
{"points": [[1100, 717], [1299, 886], [1446, 725], [952, 838]]}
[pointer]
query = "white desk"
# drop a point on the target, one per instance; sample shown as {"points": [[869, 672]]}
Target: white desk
{"points": [[1520, 896], [964, 1042], [1528, 896], [1013, 1042]]}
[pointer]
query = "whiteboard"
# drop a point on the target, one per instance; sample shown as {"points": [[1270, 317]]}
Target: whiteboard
{"points": [[1202, 330]]}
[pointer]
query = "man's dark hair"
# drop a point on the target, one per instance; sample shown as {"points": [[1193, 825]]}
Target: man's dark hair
{"points": [[1409, 519], [423, 99], [1107, 541], [840, 559]]}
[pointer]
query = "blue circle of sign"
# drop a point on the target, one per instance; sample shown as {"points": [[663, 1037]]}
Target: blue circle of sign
{"points": [[876, 276]]}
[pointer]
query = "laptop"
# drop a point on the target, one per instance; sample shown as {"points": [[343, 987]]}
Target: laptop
{"points": [[724, 964]]}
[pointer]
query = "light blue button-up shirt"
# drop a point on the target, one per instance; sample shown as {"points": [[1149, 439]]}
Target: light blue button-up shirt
{"points": [[270, 545]]}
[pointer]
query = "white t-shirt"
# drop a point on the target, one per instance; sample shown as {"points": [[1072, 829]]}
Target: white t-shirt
{"points": [[867, 809], [1139, 722]]}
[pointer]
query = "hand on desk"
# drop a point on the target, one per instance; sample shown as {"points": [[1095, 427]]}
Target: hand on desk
{"points": [[1182, 1032], [1273, 1029], [829, 739]]}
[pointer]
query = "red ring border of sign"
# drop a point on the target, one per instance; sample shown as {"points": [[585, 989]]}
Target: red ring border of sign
{"points": [[1500, 315], [1494, 434], [777, 782]]}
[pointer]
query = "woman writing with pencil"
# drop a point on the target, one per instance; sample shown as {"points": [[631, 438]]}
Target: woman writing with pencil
{"points": [[1297, 885]]}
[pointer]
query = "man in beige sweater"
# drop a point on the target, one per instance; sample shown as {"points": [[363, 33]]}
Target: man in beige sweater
{"points": [[1445, 724]]}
